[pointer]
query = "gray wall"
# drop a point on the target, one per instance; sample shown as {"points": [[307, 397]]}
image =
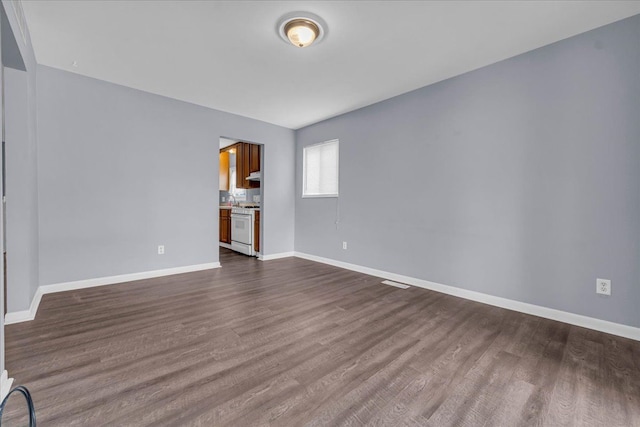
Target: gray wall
{"points": [[22, 192], [521, 179], [2, 215], [122, 171], [21, 169]]}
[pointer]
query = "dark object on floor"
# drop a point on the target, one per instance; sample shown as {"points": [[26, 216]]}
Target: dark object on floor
{"points": [[32, 409]]}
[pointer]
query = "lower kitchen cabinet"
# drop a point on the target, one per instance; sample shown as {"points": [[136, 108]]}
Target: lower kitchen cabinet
{"points": [[225, 225]]}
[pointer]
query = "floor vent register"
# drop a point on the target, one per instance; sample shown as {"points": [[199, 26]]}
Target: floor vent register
{"points": [[396, 284]]}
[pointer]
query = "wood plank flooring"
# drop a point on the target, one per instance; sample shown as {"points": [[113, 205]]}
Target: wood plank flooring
{"points": [[291, 342]]}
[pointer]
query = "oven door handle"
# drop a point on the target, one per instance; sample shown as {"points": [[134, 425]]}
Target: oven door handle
{"points": [[241, 216]]}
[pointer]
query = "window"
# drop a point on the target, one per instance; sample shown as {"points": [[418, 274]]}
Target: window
{"points": [[320, 170], [232, 180], [239, 194]]}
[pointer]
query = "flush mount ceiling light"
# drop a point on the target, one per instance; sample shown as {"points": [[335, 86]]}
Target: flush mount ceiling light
{"points": [[301, 32], [301, 29]]}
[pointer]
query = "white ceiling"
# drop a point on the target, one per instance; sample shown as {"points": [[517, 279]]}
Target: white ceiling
{"points": [[228, 56]]}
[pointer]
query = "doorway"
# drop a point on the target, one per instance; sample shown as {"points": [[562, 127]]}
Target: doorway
{"points": [[241, 165]]}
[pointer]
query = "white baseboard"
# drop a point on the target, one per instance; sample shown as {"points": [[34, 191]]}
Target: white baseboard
{"points": [[5, 385], [535, 310], [275, 256], [26, 315]]}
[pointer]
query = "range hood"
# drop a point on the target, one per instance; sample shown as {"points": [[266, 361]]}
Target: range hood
{"points": [[254, 176]]}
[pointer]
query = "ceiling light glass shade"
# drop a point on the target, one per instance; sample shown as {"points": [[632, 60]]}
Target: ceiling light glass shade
{"points": [[301, 32], [301, 29]]}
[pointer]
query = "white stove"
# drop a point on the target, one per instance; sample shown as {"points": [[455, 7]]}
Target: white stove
{"points": [[242, 220], [244, 210]]}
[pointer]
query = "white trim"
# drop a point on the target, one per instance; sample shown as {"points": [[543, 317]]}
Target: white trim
{"points": [[275, 256], [225, 245], [5, 385], [320, 196], [26, 315], [523, 307]]}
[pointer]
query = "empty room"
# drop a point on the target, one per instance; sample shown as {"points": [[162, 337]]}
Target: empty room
{"points": [[320, 213]]}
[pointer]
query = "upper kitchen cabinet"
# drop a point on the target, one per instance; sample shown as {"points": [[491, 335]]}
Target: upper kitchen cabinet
{"points": [[247, 161], [254, 158], [240, 175], [224, 170]]}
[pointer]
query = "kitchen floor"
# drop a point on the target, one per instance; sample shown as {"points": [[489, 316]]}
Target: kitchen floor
{"points": [[228, 256], [292, 342]]}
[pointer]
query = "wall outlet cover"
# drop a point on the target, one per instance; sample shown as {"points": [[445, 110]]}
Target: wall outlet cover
{"points": [[603, 286]]}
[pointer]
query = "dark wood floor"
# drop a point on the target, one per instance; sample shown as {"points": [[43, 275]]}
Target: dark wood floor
{"points": [[291, 342]]}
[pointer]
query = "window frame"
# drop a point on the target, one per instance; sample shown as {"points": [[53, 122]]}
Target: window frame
{"points": [[304, 175]]}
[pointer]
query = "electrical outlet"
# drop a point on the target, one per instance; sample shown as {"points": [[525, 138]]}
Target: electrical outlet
{"points": [[223, 200], [344, 245], [161, 250], [603, 286]]}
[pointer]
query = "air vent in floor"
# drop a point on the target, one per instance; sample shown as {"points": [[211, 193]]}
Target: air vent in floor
{"points": [[396, 284]]}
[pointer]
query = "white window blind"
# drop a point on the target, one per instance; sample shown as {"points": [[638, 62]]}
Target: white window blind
{"points": [[320, 170]]}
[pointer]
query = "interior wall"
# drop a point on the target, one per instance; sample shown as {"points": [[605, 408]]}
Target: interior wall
{"points": [[22, 192], [21, 165], [519, 180], [3, 385], [122, 171]]}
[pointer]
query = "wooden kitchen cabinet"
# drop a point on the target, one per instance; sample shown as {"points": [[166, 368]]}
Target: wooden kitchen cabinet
{"points": [[256, 232], [254, 158], [250, 163], [240, 173], [225, 225], [246, 164], [247, 161]]}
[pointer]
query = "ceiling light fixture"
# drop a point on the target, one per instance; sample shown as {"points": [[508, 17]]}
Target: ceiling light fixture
{"points": [[301, 29], [301, 32]]}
